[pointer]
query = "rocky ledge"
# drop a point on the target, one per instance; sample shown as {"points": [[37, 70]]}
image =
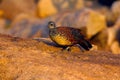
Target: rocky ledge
{"points": [[26, 59]]}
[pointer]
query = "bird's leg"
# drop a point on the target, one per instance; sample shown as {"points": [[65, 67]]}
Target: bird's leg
{"points": [[67, 48], [82, 49]]}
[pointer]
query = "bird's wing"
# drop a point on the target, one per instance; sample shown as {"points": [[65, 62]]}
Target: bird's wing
{"points": [[77, 33]]}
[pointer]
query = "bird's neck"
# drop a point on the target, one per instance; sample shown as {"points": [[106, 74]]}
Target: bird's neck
{"points": [[52, 31]]}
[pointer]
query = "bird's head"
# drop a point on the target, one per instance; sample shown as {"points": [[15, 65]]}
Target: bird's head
{"points": [[51, 24]]}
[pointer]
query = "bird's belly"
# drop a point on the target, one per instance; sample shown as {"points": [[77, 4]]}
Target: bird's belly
{"points": [[61, 40]]}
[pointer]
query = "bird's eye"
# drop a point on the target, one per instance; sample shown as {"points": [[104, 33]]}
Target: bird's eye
{"points": [[51, 24]]}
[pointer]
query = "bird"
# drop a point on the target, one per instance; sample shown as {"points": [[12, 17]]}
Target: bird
{"points": [[66, 37]]}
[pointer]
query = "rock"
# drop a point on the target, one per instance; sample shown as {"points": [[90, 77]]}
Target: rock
{"points": [[110, 16], [25, 59], [88, 3], [115, 47], [118, 35], [2, 22], [117, 24], [113, 37], [111, 19], [1, 13], [78, 4], [68, 4], [57, 5], [113, 32], [44, 10], [100, 40], [12, 8], [91, 21], [116, 8], [3, 26], [95, 24], [26, 26]]}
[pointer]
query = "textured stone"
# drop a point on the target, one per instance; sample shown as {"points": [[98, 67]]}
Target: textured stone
{"points": [[116, 8], [113, 37], [26, 26], [3, 25], [68, 4], [54, 6], [1, 13], [46, 10], [12, 8], [95, 24], [25, 59], [115, 48], [101, 39]]}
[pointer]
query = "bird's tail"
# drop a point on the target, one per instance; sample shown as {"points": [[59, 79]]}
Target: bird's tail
{"points": [[85, 44]]}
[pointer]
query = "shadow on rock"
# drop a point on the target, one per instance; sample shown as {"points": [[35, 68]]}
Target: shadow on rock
{"points": [[46, 41]]}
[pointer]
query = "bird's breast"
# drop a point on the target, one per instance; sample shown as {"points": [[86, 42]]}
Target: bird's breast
{"points": [[60, 40]]}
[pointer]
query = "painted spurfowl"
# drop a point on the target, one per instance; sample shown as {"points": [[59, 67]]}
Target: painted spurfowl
{"points": [[67, 36]]}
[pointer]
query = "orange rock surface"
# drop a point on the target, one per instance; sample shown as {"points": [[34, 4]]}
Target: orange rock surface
{"points": [[25, 59]]}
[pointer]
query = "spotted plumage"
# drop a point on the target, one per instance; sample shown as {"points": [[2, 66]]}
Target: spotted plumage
{"points": [[67, 36]]}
